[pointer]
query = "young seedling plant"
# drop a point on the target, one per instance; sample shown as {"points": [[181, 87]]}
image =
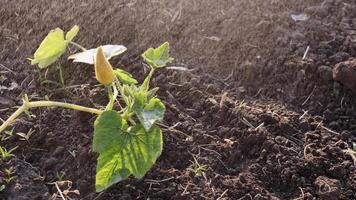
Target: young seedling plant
{"points": [[127, 140]]}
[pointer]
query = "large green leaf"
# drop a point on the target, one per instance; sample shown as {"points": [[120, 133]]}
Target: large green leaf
{"points": [[51, 48], [88, 55], [149, 114], [72, 33], [125, 77], [158, 57], [122, 150]]}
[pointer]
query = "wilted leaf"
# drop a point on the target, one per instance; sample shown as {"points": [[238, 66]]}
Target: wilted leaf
{"points": [[88, 55], [51, 48], [158, 57]]}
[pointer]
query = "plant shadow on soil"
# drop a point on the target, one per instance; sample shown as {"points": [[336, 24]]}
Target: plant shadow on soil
{"points": [[264, 123]]}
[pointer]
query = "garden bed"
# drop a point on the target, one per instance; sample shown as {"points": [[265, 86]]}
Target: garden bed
{"points": [[261, 115]]}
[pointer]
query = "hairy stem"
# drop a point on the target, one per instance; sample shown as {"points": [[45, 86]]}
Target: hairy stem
{"points": [[27, 105], [112, 96], [78, 46], [146, 82]]}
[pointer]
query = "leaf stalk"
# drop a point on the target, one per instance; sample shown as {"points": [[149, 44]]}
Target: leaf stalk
{"points": [[27, 105]]}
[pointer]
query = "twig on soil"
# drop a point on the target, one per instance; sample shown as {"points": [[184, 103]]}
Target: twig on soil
{"points": [[259, 126], [302, 197], [258, 92], [303, 115], [59, 191], [306, 100], [329, 130], [220, 80], [305, 53], [179, 68], [222, 194], [342, 101], [158, 181], [210, 150], [172, 129], [352, 153], [3, 66], [247, 123]]}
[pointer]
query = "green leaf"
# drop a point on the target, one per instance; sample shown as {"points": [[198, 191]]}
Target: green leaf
{"points": [[72, 33], [108, 121], [125, 77], [122, 150], [152, 93], [51, 48], [152, 112], [158, 57], [88, 55], [140, 99]]}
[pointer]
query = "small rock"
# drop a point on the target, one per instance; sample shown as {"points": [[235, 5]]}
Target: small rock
{"points": [[328, 189], [325, 73], [345, 73]]}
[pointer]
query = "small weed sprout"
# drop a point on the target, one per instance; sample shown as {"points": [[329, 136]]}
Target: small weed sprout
{"points": [[7, 135], [9, 175], [128, 140], [25, 136], [60, 176], [197, 168], [5, 154]]}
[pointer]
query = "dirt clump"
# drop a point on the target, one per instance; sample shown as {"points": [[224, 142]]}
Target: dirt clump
{"points": [[345, 73]]}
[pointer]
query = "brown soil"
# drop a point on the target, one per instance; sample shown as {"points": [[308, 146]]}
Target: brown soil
{"points": [[264, 122]]}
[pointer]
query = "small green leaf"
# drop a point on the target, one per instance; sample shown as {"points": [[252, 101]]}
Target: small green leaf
{"points": [[124, 76], [88, 55], [51, 48], [122, 150], [158, 57], [152, 93], [152, 112], [72, 33]]}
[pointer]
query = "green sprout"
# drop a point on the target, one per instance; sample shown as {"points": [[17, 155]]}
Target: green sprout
{"points": [[9, 174], [7, 135], [197, 168], [60, 176], [126, 135], [5, 154]]}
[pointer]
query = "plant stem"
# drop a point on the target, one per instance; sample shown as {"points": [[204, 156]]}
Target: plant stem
{"points": [[26, 105], [63, 105], [146, 82], [78, 46], [112, 96]]}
